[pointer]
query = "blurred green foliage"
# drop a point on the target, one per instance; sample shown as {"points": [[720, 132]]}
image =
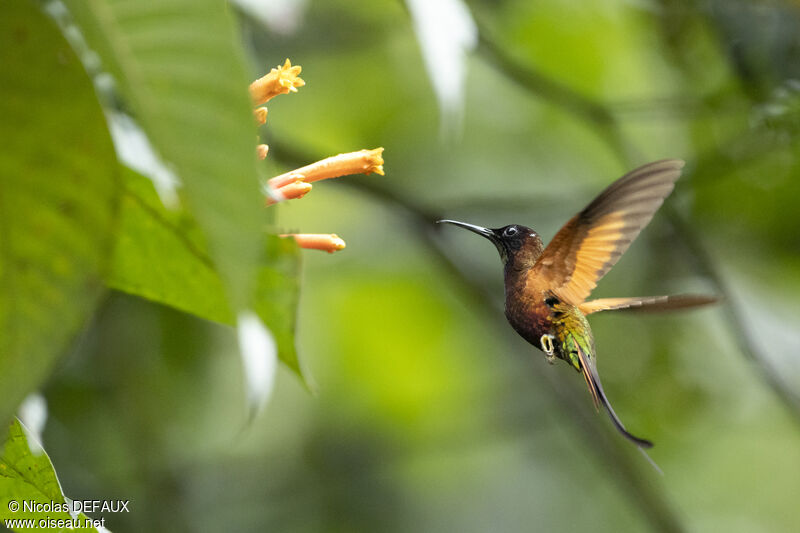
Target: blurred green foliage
{"points": [[430, 414]]}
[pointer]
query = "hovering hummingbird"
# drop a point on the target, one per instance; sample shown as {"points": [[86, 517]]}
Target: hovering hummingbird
{"points": [[546, 288]]}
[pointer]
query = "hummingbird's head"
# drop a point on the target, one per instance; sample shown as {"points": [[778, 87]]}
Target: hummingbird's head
{"points": [[519, 246]]}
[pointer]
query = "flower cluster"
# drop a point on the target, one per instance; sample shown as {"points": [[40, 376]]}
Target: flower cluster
{"points": [[297, 183]]}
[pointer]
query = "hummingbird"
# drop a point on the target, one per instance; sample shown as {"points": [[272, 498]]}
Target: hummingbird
{"points": [[546, 288]]}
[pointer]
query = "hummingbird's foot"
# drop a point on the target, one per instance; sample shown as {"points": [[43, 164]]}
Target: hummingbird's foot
{"points": [[548, 348]]}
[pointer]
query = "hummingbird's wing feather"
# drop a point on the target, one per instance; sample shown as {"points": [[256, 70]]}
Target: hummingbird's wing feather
{"points": [[593, 240], [589, 370], [646, 303]]}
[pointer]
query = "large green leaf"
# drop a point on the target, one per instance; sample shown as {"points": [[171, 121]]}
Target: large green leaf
{"points": [[161, 256], [29, 487], [59, 193], [178, 63]]}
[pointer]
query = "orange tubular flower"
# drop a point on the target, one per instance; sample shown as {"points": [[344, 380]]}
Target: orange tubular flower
{"points": [[260, 114], [262, 150], [327, 242], [361, 162], [292, 191], [280, 80]]}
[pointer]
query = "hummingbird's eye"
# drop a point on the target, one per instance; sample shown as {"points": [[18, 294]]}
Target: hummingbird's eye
{"points": [[510, 231]]}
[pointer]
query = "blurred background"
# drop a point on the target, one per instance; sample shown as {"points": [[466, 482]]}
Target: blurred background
{"points": [[430, 414]]}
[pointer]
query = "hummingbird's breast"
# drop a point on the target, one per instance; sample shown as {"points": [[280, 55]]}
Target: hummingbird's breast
{"points": [[529, 315], [535, 312]]}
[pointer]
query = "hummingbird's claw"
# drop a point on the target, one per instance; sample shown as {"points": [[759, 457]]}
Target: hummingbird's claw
{"points": [[548, 348]]}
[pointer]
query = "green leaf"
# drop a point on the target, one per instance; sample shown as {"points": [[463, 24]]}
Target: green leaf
{"points": [[179, 64], [28, 480], [59, 196], [161, 256]]}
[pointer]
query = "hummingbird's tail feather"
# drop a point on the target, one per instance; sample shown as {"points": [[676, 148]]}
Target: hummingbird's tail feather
{"points": [[650, 460], [599, 397], [594, 387], [647, 303]]}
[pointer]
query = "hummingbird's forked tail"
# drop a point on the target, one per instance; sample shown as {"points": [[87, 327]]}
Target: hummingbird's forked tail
{"points": [[599, 396]]}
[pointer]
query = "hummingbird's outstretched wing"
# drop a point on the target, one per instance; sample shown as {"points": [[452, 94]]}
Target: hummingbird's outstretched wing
{"points": [[593, 240], [646, 303], [589, 370]]}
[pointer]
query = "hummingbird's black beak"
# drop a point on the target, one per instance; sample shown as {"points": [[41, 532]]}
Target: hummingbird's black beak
{"points": [[486, 232]]}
